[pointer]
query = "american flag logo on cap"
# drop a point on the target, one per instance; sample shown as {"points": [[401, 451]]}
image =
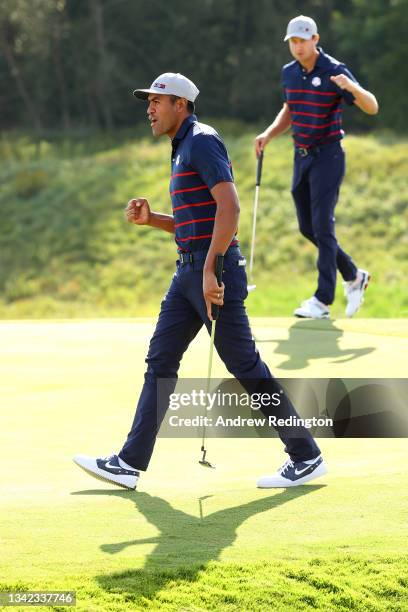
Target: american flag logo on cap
{"points": [[160, 85]]}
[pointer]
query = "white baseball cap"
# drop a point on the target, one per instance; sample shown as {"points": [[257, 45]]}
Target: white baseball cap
{"points": [[171, 84], [301, 27]]}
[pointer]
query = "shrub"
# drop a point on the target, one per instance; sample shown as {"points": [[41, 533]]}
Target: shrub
{"points": [[30, 182]]}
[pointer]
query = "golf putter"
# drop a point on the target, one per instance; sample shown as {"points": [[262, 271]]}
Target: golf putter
{"points": [[215, 311], [251, 287]]}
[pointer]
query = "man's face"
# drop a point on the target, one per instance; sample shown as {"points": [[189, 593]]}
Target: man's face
{"points": [[303, 50], [163, 115]]}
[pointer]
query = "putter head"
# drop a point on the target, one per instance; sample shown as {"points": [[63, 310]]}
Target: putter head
{"points": [[203, 461], [251, 288], [206, 463]]}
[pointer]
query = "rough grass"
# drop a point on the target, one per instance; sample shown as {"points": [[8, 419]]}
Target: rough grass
{"points": [[66, 250], [341, 582]]}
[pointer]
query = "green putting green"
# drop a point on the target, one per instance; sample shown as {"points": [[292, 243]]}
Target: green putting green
{"points": [[191, 538]]}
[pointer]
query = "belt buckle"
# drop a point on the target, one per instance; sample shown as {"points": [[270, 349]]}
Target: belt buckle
{"points": [[303, 152], [186, 257]]}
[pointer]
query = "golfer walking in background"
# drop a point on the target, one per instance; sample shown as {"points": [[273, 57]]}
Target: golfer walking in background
{"points": [[204, 223], [314, 87]]}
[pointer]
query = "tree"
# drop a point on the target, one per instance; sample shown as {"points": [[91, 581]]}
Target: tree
{"points": [[14, 17], [373, 38]]}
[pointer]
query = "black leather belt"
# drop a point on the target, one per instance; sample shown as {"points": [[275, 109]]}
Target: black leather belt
{"points": [[190, 256], [303, 152]]}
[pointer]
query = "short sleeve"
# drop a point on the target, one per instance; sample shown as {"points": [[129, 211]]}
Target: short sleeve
{"points": [[347, 95], [209, 158], [283, 85]]}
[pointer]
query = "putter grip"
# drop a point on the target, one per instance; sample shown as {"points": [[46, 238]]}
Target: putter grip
{"points": [[219, 262], [259, 169]]}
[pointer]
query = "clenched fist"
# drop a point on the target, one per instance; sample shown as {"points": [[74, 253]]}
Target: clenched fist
{"points": [[343, 81], [138, 211]]}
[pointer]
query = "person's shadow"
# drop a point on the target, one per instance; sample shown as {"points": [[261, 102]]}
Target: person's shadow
{"points": [[310, 339], [184, 541]]}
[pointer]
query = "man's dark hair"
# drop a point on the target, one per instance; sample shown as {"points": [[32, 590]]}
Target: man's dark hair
{"points": [[190, 105]]}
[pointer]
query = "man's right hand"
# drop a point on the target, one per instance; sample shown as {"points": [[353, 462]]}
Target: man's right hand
{"points": [[138, 211], [260, 143]]}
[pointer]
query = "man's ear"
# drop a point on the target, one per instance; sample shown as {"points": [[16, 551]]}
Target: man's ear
{"points": [[181, 104], [316, 38]]}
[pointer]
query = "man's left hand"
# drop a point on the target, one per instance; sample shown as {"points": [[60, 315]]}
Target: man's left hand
{"points": [[213, 293], [342, 81]]}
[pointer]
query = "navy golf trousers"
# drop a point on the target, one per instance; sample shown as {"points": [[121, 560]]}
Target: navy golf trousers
{"points": [[182, 315], [315, 189]]}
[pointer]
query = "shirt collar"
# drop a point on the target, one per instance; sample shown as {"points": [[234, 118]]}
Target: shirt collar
{"points": [[321, 62], [183, 129]]}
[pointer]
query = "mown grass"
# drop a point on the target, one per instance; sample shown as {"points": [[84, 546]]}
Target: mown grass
{"points": [[66, 250], [190, 538]]}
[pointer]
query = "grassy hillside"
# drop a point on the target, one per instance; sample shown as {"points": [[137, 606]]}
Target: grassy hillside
{"points": [[65, 249]]}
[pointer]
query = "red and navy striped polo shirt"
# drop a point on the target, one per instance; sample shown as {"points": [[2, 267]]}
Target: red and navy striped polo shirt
{"points": [[314, 101], [199, 161]]}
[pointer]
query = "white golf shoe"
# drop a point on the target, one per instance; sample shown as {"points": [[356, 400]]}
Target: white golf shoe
{"points": [[354, 291], [293, 474], [312, 309], [109, 469]]}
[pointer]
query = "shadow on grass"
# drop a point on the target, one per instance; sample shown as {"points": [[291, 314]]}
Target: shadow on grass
{"points": [[310, 339], [185, 543]]}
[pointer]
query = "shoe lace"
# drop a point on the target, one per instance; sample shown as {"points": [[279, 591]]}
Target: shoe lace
{"points": [[109, 457], [288, 464]]}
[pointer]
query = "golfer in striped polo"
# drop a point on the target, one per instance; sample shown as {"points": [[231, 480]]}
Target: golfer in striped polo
{"points": [[204, 221], [314, 86]]}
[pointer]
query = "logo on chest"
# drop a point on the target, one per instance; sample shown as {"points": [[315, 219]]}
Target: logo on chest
{"points": [[177, 160], [316, 81]]}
